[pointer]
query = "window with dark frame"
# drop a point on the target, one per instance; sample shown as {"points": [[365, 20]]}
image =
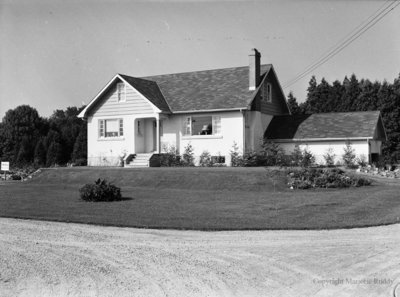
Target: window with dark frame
{"points": [[266, 92]]}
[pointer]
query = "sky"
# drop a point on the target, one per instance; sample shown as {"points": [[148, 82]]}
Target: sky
{"points": [[56, 53]]}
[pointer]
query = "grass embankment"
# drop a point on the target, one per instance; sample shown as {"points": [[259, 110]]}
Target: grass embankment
{"points": [[199, 198]]}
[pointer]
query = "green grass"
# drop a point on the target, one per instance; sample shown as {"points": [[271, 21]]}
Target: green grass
{"points": [[199, 198]]}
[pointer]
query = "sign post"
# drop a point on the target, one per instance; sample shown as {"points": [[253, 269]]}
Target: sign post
{"points": [[5, 166]]}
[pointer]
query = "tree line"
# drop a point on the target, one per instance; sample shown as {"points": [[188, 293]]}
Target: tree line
{"points": [[27, 139], [357, 95]]}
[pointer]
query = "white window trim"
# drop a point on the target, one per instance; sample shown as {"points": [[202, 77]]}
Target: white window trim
{"points": [[189, 119], [102, 136], [123, 97], [188, 137]]}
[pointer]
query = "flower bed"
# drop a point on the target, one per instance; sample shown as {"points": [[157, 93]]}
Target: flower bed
{"points": [[380, 171], [307, 178]]}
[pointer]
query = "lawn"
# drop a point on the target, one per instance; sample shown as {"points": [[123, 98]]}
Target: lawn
{"points": [[199, 198]]}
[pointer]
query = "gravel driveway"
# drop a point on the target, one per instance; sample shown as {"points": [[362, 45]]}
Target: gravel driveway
{"points": [[60, 259]]}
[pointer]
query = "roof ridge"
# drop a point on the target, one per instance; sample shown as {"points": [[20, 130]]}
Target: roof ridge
{"points": [[205, 70], [332, 112]]}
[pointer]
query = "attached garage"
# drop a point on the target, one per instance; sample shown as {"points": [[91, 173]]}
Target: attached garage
{"points": [[330, 132]]}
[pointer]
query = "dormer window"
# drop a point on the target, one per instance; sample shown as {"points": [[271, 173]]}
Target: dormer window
{"points": [[121, 92], [266, 92]]}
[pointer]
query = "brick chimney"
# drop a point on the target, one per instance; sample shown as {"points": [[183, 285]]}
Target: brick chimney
{"points": [[254, 69]]}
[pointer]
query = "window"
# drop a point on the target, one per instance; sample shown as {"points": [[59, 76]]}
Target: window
{"points": [[218, 159], [121, 92], [266, 92], [111, 128], [202, 125]]}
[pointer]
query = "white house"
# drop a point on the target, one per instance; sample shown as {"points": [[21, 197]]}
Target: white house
{"points": [[139, 118], [210, 109]]}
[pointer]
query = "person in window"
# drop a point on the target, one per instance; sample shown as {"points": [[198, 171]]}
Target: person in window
{"points": [[206, 130]]}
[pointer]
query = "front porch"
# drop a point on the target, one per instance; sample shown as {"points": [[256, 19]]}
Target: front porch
{"points": [[147, 132]]}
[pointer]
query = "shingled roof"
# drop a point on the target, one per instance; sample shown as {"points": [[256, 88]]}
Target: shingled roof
{"points": [[150, 90], [344, 125], [216, 89]]}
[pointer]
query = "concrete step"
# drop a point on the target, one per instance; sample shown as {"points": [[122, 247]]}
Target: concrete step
{"points": [[140, 160]]}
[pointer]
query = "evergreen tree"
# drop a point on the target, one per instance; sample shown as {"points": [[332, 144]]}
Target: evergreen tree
{"points": [[54, 154], [351, 93], [335, 97], [312, 96], [293, 105]]}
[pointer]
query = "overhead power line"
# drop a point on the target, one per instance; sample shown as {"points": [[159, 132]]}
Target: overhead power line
{"points": [[346, 41]]}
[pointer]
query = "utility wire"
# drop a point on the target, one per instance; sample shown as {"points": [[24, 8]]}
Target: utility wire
{"points": [[370, 22], [343, 44], [357, 29]]}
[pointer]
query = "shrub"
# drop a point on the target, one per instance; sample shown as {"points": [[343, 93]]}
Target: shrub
{"points": [[271, 154], [188, 156], [101, 190], [362, 161], [302, 158], [250, 159], [308, 158], [296, 156], [329, 157], [306, 178], [80, 162], [170, 157], [16, 177], [348, 155], [236, 157], [205, 159]]}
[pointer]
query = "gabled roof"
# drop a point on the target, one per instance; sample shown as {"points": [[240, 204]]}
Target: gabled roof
{"points": [[150, 90], [340, 125], [199, 91], [153, 94], [216, 89]]}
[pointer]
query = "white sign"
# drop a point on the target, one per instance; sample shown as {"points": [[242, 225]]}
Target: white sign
{"points": [[5, 166]]}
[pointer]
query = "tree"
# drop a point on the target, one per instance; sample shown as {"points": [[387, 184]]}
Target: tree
{"points": [[80, 147], [348, 156], [25, 152], [293, 105], [312, 96], [54, 154], [351, 93], [188, 155], [20, 123], [69, 126], [40, 154]]}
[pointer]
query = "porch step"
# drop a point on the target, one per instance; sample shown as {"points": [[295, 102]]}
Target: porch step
{"points": [[140, 160]]}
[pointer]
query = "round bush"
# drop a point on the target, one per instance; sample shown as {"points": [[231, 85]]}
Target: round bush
{"points": [[101, 190]]}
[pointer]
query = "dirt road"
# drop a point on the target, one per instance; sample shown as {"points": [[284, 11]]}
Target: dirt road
{"points": [[59, 259]]}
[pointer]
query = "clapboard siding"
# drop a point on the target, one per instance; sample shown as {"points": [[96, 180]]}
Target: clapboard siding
{"points": [[277, 106], [108, 105]]}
